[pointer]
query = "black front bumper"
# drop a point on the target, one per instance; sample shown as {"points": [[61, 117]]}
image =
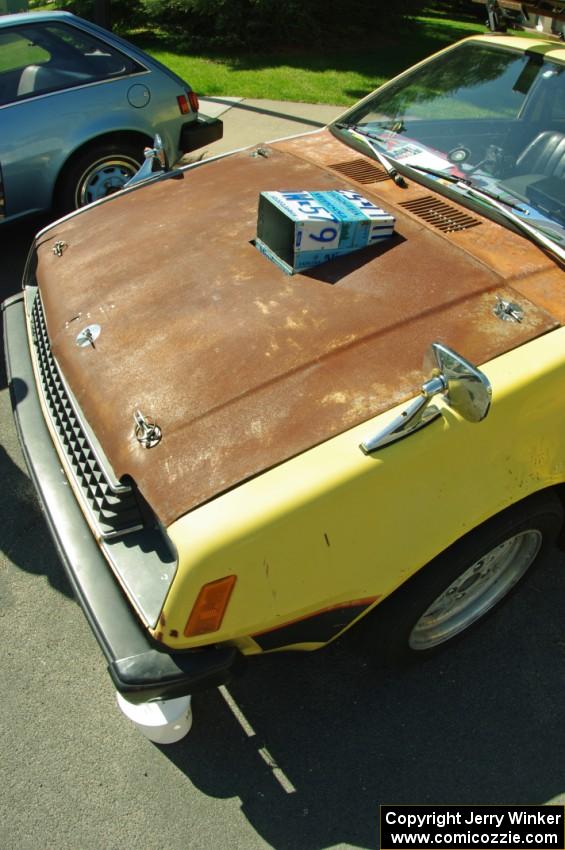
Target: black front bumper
{"points": [[139, 667], [199, 133]]}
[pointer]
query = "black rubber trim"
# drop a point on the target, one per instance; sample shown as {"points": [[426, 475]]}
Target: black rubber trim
{"points": [[319, 628], [198, 133], [138, 667]]}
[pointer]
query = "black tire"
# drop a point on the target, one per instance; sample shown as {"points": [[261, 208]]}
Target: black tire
{"points": [[96, 173], [458, 588]]}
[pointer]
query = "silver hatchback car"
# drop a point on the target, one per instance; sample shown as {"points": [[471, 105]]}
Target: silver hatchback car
{"points": [[77, 107]]}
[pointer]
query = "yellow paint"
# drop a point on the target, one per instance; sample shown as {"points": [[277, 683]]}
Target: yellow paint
{"points": [[333, 525], [545, 46]]}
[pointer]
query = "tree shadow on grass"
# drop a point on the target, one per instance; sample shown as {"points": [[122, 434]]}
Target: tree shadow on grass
{"points": [[377, 61]]}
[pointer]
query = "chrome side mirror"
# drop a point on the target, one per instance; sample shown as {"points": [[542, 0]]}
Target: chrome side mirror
{"points": [[158, 153], [156, 162], [468, 390], [464, 388]]}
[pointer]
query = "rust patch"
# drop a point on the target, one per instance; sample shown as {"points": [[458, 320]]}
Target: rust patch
{"points": [[243, 366]]}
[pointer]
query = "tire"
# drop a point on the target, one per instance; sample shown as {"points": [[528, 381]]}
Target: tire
{"points": [[463, 584], [97, 173]]}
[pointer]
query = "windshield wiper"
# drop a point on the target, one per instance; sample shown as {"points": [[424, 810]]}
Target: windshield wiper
{"points": [[498, 203], [369, 138], [465, 182]]}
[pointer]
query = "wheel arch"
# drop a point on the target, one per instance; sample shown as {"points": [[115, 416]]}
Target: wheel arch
{"points": [[558, 490], [129, 137], [381, 626]]}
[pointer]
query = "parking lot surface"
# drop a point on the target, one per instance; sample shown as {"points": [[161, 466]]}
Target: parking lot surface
{"points": [[295, 755]]}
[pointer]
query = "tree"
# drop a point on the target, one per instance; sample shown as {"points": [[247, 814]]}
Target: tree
{"points": [[102, 13]]}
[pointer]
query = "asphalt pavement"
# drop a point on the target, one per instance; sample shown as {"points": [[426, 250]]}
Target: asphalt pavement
{"points": [[299, 752]]}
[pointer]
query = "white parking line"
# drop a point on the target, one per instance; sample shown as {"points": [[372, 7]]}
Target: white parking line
{"points": [[279, 775], [237, 713]]}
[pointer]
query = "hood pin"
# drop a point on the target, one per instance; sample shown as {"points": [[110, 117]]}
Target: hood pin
{"points": [[147, 432], [88, 335], [508, 311], [59, 247]]}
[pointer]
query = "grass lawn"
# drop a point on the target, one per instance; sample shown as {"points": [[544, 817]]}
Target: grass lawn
{"points": [[312, 76], [309, 75]]}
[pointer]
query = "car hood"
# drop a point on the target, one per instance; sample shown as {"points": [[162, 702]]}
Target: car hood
{"points": [[241, 365]]}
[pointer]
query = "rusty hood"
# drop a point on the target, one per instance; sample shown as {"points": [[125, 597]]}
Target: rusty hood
{"points": [[241, 365]]}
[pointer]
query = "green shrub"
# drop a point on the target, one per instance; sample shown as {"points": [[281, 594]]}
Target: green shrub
{"points": [[123, 13], [274, 23], [254, 24]]}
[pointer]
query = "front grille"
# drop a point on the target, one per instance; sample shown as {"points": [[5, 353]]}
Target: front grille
{"points": [[439, 214], [111, 506]]}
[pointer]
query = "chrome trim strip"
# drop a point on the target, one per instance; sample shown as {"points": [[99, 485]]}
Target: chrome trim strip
{"points": [[31, 96]]}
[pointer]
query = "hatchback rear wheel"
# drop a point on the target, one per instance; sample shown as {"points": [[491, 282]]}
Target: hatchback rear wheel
{"points": [[97, 173]]}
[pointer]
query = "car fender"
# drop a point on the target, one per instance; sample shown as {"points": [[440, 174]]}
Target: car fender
{"points": [[287, 533]]}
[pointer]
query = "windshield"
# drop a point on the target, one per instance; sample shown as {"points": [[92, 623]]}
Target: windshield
{"points": [[487, 114]]}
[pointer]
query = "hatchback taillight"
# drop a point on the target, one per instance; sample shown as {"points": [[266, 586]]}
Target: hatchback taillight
{"points": [[187, 102], [182, 101]]}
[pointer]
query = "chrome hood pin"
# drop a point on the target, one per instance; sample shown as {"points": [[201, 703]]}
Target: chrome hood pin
{"points": [[147, 432], [88, 335], [59, 247], [508, 311]]}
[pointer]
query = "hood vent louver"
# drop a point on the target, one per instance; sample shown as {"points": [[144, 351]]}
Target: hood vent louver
{"points": [[360, 170], [439, 214]]}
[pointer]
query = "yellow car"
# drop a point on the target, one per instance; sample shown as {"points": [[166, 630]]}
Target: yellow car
{"points": [[237, 454]]}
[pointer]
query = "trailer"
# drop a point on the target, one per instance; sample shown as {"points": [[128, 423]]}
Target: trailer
{"points": [[543, 15]]}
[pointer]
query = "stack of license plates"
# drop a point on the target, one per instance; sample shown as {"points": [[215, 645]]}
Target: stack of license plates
{"points": [[299, 230]]}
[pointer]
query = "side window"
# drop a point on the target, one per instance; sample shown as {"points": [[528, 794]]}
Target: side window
{"points": [[87, 54], [16, 53], [39, 58]]}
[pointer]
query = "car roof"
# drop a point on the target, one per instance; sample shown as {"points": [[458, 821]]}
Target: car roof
{"points": [[549, 47], [31, 17]]}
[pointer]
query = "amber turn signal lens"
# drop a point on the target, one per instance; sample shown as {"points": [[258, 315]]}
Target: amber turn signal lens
{"points": [[210, 607]]}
